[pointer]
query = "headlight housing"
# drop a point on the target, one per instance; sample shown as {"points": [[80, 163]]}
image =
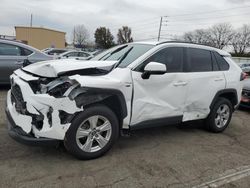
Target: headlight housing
{"points": [[59, 87], [59, 90]]}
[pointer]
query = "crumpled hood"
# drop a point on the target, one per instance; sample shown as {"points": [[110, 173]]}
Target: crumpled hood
{"points": [[246, 84], [53, 68]]}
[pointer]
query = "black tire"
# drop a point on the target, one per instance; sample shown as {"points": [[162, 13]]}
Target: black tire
{"points": [[210, 121], [70, 140]]}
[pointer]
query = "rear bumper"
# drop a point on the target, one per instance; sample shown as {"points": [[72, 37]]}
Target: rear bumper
{"points": [[20, 136]]}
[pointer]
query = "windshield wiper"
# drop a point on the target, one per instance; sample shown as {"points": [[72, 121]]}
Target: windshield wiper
{"points": [[115, 51], [123, 57]]}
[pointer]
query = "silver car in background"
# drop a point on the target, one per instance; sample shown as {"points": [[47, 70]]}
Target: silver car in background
{"points": [[75, 54], [245, 67], [12, 56]]}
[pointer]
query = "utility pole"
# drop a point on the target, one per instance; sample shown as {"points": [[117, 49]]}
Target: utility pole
{"points": [[159, 33], [31, 20], [163, 22]]}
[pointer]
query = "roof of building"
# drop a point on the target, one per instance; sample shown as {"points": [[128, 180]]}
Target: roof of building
{"points": [[41, 28]]}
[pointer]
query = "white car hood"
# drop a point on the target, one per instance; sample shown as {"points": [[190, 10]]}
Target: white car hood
{"points": [[52, 68]]}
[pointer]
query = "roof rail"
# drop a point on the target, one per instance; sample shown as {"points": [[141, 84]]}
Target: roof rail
{"points": [[185, 42]]}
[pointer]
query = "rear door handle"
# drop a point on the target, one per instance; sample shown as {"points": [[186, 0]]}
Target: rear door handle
{"points": [[218, 79], [180, 83]]}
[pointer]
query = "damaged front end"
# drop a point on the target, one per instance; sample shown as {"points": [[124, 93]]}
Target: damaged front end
{"points": [[39, 107]]}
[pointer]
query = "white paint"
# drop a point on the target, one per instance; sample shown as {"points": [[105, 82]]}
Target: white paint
{"points": [[40, 103], [201, 89], [161, 96], [21, 120], [158, 97], [232, 77], [234, 175], [154, 66], [53, 67]]}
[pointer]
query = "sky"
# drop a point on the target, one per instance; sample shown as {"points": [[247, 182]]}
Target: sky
{"points": [[143, 16]]}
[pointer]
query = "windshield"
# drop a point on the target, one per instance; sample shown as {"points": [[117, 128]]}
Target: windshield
{"points": [[125, 54]]}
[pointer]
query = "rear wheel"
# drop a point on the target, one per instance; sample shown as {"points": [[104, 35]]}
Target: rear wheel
{"points": [[92, 133], [220, 116]]}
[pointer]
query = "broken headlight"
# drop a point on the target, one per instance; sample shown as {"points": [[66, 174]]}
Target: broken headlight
{"points": [[60, 87]]}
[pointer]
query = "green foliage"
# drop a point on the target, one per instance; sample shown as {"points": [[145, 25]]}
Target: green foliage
{"points": [[104, 38], [124, 35]]}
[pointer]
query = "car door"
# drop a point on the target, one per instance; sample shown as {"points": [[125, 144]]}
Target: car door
{"points": [[204, 81], [161, 97], [11, 58]]}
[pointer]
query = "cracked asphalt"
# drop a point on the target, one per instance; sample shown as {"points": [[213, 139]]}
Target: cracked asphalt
{"points": [[171, 156]]}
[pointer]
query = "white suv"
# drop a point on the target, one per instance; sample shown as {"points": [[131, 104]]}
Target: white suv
{"points": [[87, 104]]}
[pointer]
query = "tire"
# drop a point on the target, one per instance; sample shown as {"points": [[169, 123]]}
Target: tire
{"points": [[217, 121], [92, 132]]}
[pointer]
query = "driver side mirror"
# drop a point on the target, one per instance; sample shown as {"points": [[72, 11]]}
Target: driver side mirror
{"points": [[154, 68]]}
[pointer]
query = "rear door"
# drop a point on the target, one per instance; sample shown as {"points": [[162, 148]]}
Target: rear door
{"points": [[11, 58], [204, 80]]}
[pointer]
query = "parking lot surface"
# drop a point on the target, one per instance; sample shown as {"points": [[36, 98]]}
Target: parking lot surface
{"points": [[171, 156]]}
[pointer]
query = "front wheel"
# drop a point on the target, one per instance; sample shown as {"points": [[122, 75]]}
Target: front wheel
{"points": [[220, 116], [92, 133]]}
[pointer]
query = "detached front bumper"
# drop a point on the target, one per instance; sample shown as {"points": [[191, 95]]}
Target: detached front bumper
{"points": [[19, 135], [36, 117]]}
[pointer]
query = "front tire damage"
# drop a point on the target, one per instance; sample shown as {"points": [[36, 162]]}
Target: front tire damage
{"points": [[92, 132]]}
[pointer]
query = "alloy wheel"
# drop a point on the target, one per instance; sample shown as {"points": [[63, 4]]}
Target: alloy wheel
{"points": [[94, 133]]}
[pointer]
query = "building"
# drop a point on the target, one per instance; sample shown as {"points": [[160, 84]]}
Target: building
{"points": [[40, 37]]}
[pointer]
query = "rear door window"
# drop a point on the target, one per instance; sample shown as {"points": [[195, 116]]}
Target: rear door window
{"points": [[199, 60], [25, 52]]}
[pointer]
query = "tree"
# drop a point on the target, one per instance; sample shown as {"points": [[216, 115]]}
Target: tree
{"points": [[220, 35], [199, 36], [241, 40], [80, 35], [104, 38], [124, 35]]}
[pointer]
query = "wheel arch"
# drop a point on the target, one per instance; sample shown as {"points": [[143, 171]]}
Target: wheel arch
{"points": [[112, 98], [230, 94]]}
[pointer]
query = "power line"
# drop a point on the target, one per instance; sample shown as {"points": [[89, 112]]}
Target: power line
{"points": [[209, 12], [136, 22], [193, 19], [147, 21], [204, 23]]}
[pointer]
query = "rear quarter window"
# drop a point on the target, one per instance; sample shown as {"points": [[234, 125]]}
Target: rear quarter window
{"points": [[25, 52], [223, 65]]}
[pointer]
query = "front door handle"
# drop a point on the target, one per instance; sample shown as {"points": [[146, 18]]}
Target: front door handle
{"points": [[19, 62], [180, 83]]}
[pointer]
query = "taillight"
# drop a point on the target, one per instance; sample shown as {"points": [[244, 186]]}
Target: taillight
{"points": [[243, 76]]}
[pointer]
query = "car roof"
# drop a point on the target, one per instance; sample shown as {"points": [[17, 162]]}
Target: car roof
{"points": [[18, 43], [184, 44]]}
